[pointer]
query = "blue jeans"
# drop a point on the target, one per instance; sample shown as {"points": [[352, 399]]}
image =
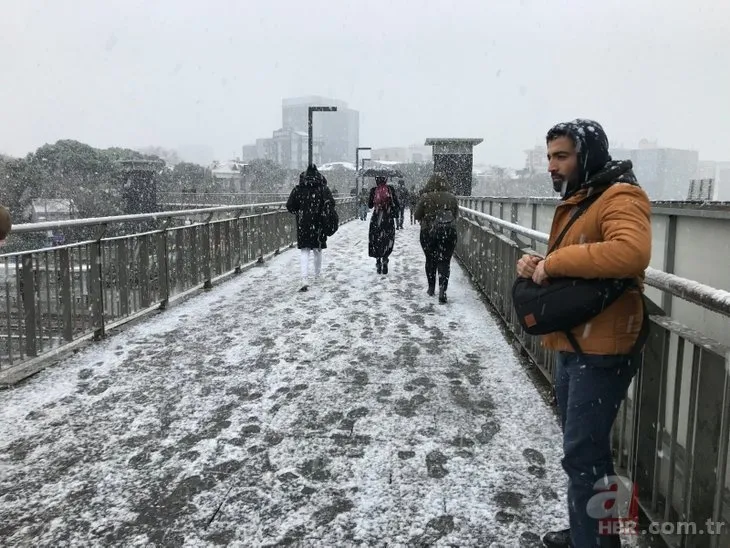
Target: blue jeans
{"points": [[589, 390]]}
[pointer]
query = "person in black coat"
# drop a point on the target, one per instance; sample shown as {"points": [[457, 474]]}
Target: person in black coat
{"points": [[308, 200], [384, 203], [437, 210]]}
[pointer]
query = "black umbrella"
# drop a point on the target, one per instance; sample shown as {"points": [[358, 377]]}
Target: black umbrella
{"points": [[381, 172]]}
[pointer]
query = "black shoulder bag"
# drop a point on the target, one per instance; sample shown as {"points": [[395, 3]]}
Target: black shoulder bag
{"points": [[328, 213], [566, 303]]}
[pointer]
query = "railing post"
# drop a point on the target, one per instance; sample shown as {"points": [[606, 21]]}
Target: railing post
{"points": [[29, 305], [513, 217], [96, 286], [246, 240], [144, 271], [208, 282], [237, 248], [670, 243], [228, 255], [217, 255], [259, 238], [163, 272], [123, 276], [181, 269], [194, 268], [67, 319]]}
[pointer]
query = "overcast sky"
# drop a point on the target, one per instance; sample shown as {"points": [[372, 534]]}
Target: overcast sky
{"points": [[176, 72]]}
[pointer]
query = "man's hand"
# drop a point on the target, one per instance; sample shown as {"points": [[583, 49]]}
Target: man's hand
{"points": [[540, 277], [526, 266]]}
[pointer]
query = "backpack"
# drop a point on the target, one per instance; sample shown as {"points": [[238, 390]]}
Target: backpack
{"points": [[566, 303], [382, 199], [442, 224]]}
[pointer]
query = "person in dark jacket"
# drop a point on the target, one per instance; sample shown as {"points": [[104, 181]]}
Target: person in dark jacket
{"points": [[402, 194], [308, 201], [384, 203], [362, 204], [412, 201], [437, 210]]}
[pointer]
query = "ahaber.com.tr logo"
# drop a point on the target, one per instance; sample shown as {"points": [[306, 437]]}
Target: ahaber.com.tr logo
{"points": [[615, 506]]}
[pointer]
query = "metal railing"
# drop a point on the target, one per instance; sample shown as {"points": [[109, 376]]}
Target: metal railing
{"points": [[671, 434], [218, 198], [55, 297]]}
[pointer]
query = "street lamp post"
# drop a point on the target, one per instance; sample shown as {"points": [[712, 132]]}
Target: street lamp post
{"points": [[311, 110], [357, 166]]}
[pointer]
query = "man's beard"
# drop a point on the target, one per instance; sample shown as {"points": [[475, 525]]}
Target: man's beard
{"points": [[560, 184], [563, 185]]}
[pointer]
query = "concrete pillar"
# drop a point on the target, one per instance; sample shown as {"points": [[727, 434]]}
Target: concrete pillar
{"points": [[139, 187], [455, 159]]}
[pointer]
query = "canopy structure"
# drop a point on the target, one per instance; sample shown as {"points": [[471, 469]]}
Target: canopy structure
{"points": [[380, 172]]}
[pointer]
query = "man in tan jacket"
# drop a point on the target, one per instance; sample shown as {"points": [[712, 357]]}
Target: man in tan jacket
{"points": [[5, 224], [612, 239]]}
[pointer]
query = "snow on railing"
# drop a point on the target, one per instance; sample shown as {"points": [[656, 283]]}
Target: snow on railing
{"points": [[717, 300]]}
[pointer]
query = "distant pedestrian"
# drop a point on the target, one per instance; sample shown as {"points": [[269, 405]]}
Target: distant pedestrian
{"points": [[401, 193], [381, 237], [412, 201], [309, 201], [362, 207], [437, 209]]}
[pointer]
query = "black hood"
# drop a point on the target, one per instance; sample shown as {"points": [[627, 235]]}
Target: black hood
{"points": [[312, 177], [590, 141], [596, 168]]}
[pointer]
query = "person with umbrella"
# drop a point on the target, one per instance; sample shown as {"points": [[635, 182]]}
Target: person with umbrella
{"points": [[381, 238]]}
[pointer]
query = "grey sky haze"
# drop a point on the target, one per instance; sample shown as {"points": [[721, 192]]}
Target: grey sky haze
{"points": [[169, 73]]}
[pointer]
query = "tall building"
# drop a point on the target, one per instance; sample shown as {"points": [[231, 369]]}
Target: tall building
{"points": [[719, 173], [290, 148], [664, 173], [417, 154], [536, 160], [337, 132]]}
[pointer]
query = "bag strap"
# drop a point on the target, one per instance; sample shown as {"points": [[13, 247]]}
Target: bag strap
{"points": [[644, 331], [574, 343], [580, 210]]}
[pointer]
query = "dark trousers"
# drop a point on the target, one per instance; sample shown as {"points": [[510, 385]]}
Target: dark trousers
{"points": [[589, 390], [438, 251], [400, 216]]}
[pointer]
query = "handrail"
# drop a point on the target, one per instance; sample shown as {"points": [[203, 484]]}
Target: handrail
{"points": [[93, 221], [717, 300], [163, 193]]}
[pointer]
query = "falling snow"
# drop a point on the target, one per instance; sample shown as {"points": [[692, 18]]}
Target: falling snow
{"points": [[361, 412]]}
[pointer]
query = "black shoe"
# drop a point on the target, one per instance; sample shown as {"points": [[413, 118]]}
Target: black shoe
{"points": [[385, 266], [304, 288], [557, 539], [431, 290], [442, 296]]}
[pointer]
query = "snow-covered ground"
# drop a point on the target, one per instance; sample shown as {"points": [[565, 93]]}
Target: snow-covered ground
{"points": [[359, 413]]}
